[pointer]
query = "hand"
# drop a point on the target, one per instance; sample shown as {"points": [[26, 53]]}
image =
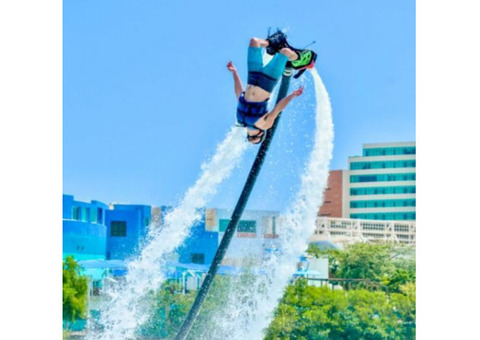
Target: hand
{"points": [[230, 67], [298, 92]]}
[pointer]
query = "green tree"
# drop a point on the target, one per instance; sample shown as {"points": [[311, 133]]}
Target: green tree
{"points": [[75, 288], [308, 312], [362, 261], [405, 306], [389, 265], [399, 278], [170, 306]]}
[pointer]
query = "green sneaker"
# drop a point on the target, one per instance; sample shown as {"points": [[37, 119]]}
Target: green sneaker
{"points": [[306, 59]]}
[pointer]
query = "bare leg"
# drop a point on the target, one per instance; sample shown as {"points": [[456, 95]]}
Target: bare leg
{"points": [[289, 53], [258, 42]]}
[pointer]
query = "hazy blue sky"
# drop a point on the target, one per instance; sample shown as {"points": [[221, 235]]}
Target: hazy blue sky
{"points": [[147, 96]]}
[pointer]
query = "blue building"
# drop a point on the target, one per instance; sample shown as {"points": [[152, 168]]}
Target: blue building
{"points": [[93, 231], [127, 227], [200, 246], [84, 229]]}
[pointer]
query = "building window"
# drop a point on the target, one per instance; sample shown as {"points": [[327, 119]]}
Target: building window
{"points": [[383, 165], [386, 216], [223, 224], [76, 213], [247, 227], [198, 258], [382, 178], [382, 190], [83, 214], [87, 215], [410, 150], [100, 215], [118, 228], [383, 203], [93, 217], [243, 226]]}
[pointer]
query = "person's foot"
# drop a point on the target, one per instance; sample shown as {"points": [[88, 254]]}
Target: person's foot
{"points": [[276, 42], [306, 59]]}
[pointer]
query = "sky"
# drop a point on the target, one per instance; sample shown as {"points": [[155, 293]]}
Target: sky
{"points": [[147, 97]]}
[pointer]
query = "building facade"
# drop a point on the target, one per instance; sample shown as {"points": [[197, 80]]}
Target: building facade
{"points": [[382, 183], [95, 231], [84, 229], [334, 194], [379, 185], [200, 246], [256, 235], [127, 226], [347, 231]]}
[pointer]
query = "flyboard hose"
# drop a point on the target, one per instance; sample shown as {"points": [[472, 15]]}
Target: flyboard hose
{"points": [[237, 213]]}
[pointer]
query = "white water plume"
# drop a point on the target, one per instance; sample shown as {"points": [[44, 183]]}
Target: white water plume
{"points": [[126, 310], [251, 305]]}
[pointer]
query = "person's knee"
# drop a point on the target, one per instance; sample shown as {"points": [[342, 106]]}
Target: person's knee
{"points": [[254, 42]]}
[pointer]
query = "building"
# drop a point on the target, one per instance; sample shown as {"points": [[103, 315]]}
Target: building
{"points": [[127, 226], [335, 194], [103, 238], [95, 231], [256, 235], [84, 229], [373, 200], [201, 245], [379, 185], [314, 270], [347, 230], [382, 182]]}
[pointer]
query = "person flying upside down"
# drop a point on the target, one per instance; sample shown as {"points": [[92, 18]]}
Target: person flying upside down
{"points": [[252, 110]]}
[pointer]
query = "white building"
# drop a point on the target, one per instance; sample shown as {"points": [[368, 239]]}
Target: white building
{"points": [[256, 235], [346, 231]]}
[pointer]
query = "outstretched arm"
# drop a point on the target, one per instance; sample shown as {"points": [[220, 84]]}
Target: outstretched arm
{"points": [[266, 122], [236, 79]]}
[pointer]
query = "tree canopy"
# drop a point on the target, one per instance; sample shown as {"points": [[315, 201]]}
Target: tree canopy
{"points": [[75, 288], [308, 312], [390, 265]]}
